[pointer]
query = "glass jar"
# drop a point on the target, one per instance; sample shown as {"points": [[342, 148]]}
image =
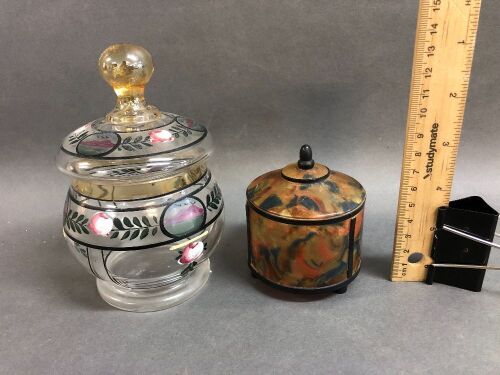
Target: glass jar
{"points": [[304, 226], [143, 213]]}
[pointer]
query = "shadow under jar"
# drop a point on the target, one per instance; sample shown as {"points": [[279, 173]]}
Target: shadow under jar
{"points": [[143, 213]]}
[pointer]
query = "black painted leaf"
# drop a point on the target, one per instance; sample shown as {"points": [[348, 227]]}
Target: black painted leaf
{"points": [[145, 221], [216, 200], [138, 145], [72, 226], [137, 222], [77, 227], [85, 230], [332, 186], [208, 198], [127, 140], [185, 133], [349, 205], [213, 205], [75, 214], [79, 218], [85, 221], [114, 235], [138, 139], [126, 234], [118, 223], [147, 144], [144, 233], [155, 229], [176, 135], [155, 219], [270, 202], [147, 139], [135, 233], [127, 222], [127, 147], [308, 203], [212, 194]]}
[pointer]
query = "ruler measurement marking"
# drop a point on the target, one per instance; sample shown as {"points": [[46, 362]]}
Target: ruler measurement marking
{"points": [[444, 45]]}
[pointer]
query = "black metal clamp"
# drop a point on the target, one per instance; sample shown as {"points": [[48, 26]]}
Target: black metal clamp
{"points": [[462, 242]]}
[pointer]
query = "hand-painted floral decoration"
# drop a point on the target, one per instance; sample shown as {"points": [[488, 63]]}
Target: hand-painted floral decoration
{"points": [[158, 221], [160, 136], [191, 252], [101, 224]]}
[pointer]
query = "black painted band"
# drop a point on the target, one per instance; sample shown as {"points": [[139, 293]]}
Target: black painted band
{"points": [[325, 289], [350, 259], [284, 220], [306, 181]]}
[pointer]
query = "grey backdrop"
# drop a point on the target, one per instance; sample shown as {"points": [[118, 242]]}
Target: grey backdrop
{"points": [[266, 77]]}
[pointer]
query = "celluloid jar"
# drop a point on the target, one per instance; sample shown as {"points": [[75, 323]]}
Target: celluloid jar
{"points": [[304, 227], [143, 213]]}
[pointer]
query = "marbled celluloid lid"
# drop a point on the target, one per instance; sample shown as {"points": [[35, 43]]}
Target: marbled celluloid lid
{"points": [[135, 141], [306, 191]]}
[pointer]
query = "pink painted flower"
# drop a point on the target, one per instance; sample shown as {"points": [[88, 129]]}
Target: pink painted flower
{"points": [[161, 135], [191, 252], [101, 224]]}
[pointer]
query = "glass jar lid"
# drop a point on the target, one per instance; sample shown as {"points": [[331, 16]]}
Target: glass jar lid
{"points": [[306, 191], [135, 141]]}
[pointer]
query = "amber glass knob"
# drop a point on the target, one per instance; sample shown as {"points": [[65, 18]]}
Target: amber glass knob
{"points": [[126, 67]]}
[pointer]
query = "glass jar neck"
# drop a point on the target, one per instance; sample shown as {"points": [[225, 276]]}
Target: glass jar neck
{"points": [[131, 108]]}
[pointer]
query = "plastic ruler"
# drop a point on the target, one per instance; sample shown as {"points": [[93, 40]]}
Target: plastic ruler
{"points": [[444, 47]]}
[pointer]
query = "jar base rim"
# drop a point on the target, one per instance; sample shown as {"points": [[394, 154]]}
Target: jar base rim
{"points": [[339, 288], [155, 299]]}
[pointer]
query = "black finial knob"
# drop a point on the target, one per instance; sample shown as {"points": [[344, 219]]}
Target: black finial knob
{"points": [[306, 157]]}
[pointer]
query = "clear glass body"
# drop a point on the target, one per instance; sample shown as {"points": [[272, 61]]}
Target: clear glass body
{"points": [[166, 242]]}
